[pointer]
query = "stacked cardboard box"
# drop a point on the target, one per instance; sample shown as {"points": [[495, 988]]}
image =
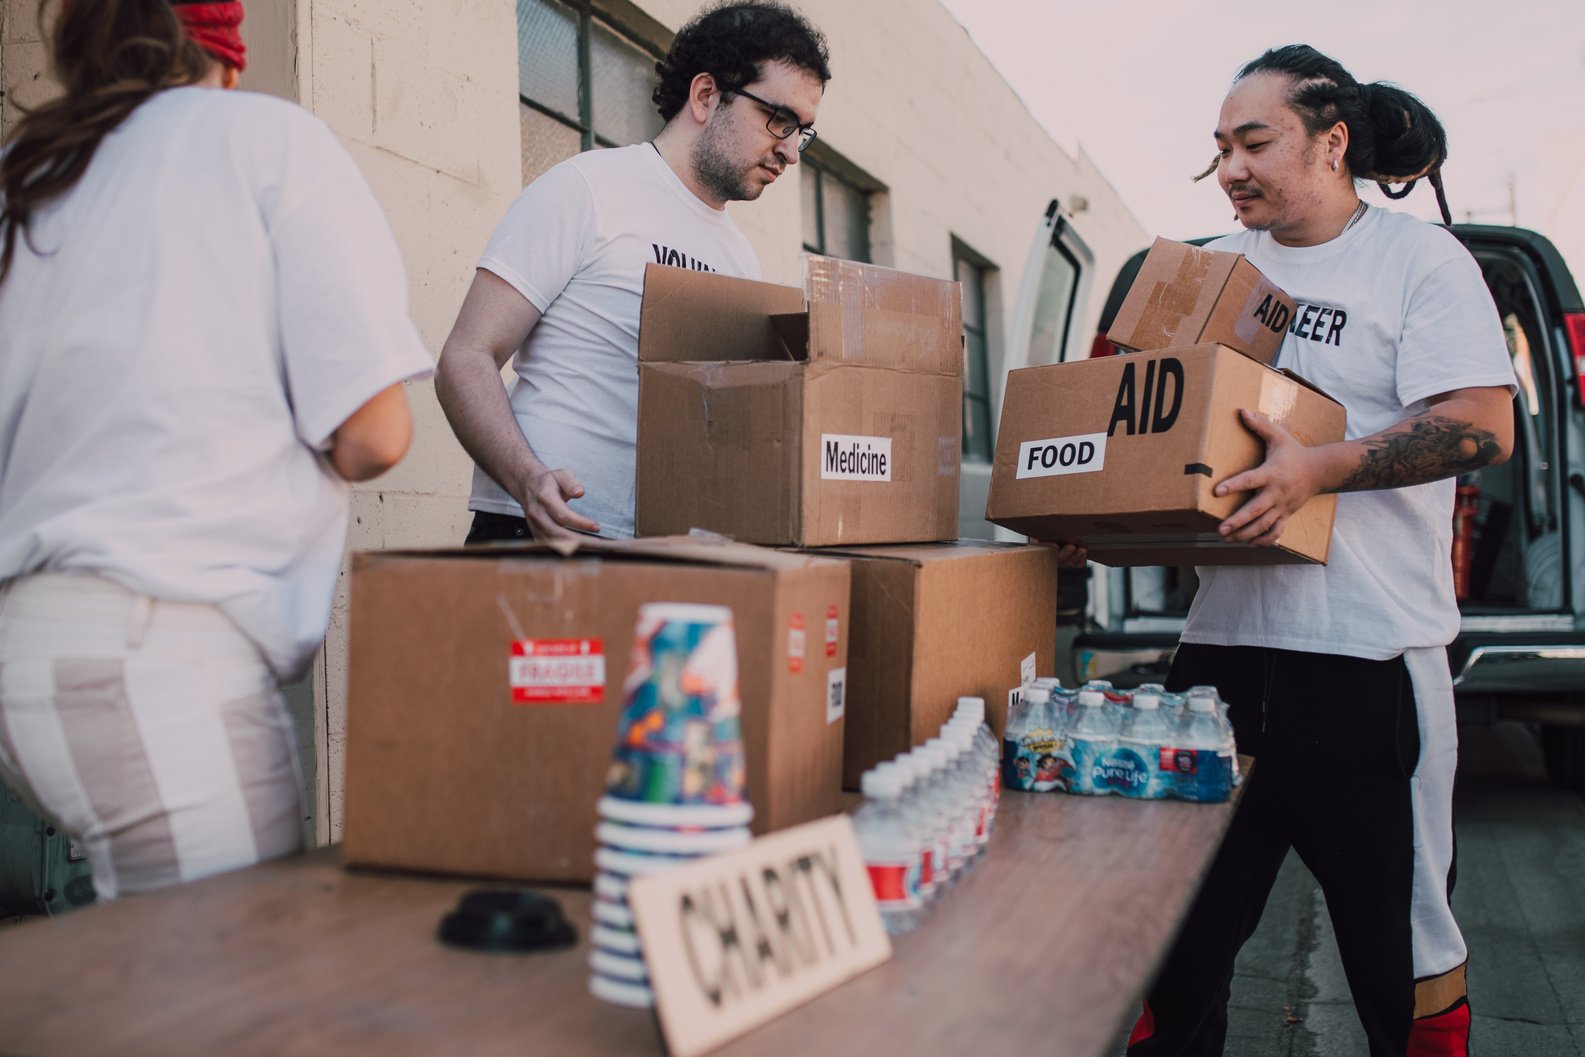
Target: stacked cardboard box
{"points": [[934, 622], [831, 417], [818, 417], [485, 685], [1123, 453]]}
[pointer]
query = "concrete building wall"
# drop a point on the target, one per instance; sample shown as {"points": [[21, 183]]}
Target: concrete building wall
{"points": [[424, 95]]}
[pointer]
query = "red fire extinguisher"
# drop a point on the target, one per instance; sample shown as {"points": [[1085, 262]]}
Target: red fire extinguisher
{"points": [[1466, 505]]}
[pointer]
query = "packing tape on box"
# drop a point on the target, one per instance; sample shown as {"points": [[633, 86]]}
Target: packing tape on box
{"points": [[1278, 397]]}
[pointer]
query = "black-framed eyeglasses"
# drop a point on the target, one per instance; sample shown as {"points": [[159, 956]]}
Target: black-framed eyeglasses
{"points": [[782, 122]]}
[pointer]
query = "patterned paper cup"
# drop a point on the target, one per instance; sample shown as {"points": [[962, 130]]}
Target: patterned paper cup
{"points": [[678, 740]]}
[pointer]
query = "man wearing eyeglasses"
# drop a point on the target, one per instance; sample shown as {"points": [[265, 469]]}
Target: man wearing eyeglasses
{"points": [[558, 288]]}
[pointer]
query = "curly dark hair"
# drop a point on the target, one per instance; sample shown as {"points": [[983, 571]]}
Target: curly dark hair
{"points": [[732, 42]]}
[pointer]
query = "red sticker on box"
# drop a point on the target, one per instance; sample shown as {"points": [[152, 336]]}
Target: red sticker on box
{"points": [[833, 630], [795, 644], [557, 671]]}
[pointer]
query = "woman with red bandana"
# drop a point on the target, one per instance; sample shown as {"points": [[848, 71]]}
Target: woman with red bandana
{"points": [[203, 338]]}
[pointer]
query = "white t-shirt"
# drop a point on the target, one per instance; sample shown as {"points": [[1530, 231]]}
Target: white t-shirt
{"points": [[215, 296], [1391, 312], [575, 244]]}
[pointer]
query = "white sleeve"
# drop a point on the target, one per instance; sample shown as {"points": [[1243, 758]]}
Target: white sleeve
{"points": [[345, 330], [544, 236], [1452, 338]]}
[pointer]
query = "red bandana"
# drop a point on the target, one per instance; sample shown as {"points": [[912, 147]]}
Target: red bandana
{"points": [[213, 27]]}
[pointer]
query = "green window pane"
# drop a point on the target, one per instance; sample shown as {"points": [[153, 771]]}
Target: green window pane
{"points": [[809, 189], [547, 55], [621, 78], [847, 219]]}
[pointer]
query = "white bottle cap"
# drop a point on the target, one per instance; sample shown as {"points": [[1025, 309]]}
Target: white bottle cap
{"points": [[903, 774], [880, 785], [1202, 703], [1091, 698], [971, 705], [974, 711], [960, 735], [1148, 702], [1038, 695], [1049, 682], [913, 764], [1098, 684]]}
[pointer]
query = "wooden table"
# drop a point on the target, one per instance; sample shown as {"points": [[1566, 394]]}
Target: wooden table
{"points": [[1043, 948]]}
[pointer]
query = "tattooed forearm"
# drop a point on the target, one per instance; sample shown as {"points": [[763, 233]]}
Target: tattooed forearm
{"points": [[1433, 447]]}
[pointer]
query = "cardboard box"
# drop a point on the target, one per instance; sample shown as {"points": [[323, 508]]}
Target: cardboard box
{"points": [[774, 416], [453, 769], [1184, 295], [934, 622], [1122, 453]]}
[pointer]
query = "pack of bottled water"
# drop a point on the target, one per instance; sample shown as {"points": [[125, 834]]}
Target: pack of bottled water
{"points": [[1100, 741], [928, 814]]}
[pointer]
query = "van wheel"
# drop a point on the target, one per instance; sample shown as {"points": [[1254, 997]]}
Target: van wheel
{"points": [[1563, 752]]}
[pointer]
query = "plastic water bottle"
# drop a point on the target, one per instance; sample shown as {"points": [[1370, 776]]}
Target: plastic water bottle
{"points": [[959, 732], [987, 752], [890, 853], [918, 821], [1203, 760], [1134, 766], [1017, 768], [1092, 736], [963, 804], [927, 783]]}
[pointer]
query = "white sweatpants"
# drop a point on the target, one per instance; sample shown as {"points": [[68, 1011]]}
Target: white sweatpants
{"points": [[152, 732]]}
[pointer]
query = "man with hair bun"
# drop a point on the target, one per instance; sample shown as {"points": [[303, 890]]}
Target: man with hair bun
{"points": [[558, 288], [1337, 676]]}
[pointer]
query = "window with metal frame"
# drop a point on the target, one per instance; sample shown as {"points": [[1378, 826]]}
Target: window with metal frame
{"points": [[979, 440], [836, 212], [583, 82]]}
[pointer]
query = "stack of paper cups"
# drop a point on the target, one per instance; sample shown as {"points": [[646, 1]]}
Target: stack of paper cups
{"points": [[675, 790]]}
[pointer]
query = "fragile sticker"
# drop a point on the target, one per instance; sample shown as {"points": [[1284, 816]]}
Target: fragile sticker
{"points": [[796, 644], [557, 671], [1061, 455], [852, 458], [836, 695], [833, 630]]}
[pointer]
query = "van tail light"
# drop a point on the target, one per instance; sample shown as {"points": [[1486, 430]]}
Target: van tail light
{"points": [[1574, 327], [1101, 347]]}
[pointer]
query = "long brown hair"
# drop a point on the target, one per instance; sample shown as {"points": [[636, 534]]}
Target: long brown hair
{"points": [[110, 56]]}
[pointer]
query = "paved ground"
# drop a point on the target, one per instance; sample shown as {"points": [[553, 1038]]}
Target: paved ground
{"points": [[1520, 899]]}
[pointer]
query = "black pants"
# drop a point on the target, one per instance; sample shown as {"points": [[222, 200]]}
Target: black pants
{"points": [[488, 527], [1336, 741]]}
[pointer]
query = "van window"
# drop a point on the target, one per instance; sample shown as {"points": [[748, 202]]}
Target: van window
{"points": [[1059, 279]]}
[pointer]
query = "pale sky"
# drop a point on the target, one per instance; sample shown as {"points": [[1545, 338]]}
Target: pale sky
{"points": [[1137, 84]]}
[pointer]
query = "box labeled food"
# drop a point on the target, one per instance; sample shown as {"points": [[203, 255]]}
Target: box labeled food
{"points": [[824, 416], [1122, 454], [933, 622], [485, 686], [1185, 295]]}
